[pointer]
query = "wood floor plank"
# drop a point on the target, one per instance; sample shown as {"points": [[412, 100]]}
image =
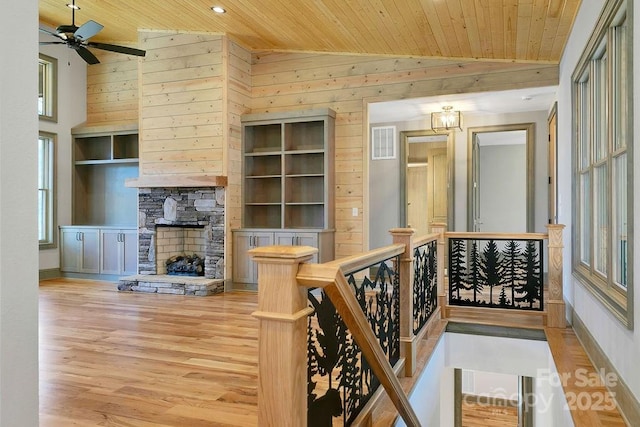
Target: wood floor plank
{"points": [[120, 359]]}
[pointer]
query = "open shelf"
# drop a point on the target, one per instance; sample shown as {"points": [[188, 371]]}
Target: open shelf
{"points": [[287, 161], [263, 138], [103, 162]]}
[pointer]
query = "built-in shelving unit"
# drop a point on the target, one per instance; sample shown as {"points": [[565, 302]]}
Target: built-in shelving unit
{"points": [[102, 238], [103, 160], [287, 181]]}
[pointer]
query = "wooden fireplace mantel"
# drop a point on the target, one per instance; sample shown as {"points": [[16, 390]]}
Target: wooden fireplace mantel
{"points": [[177, 181]]}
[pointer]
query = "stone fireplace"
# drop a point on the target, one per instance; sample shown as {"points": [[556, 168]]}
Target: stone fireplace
{"points": [[176, 220]]}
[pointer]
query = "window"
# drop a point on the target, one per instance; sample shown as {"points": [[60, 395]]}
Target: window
{"points": [[46, 194], [602, 145], [47, 88]]}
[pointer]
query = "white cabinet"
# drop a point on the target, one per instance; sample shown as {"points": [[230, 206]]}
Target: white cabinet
{"points": [[245, 270], [118, 251], [79, 250], [99, 250]]}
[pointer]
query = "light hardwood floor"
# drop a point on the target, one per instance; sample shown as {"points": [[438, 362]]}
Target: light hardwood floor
{"points": [[140, 360], [123, 359]]}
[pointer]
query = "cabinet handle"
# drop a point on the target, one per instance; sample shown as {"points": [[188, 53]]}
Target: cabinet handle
{"points": [[80, 236], [293, 239], [252, 241], [298, 240]]}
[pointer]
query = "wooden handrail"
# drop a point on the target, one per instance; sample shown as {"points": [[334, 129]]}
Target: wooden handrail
{"points": [[423, 240], [341, 295], [357, 262], [496, 236]]}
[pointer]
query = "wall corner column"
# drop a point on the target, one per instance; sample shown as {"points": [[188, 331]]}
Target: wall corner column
{"points": [[556, 317], [282, 336]]}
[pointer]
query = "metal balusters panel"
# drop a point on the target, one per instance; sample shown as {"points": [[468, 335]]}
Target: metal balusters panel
{"points": [[496, 273], [425, 284], [340, 381]]}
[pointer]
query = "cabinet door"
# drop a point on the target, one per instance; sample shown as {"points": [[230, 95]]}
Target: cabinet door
{"points": [[110, 251], [245, 270], [90, 257], [242, 264], [70, 250], [288, 238], [130, 252]]}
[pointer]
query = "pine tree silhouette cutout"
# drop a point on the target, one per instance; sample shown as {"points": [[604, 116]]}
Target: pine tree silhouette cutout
{"points": [[513, 267], [532, 285], [503, 301], [474, 279], [490, 267], [457, 268]]}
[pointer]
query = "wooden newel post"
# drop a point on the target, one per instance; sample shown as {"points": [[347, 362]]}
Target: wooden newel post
{"points": [[408, 345], [441, 228], [556, 316], [282, 336]]}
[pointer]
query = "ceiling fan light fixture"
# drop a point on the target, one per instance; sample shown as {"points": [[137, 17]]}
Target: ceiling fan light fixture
{"points": [[73, 6], [218, 9], [446, 120]]}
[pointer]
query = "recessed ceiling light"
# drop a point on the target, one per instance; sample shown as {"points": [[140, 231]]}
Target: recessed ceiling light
{"points": [[73, 6], [218, 9]]}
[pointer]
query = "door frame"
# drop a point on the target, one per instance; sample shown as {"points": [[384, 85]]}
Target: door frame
{"points": [[552, 123], [404, 161], [530, 129]]}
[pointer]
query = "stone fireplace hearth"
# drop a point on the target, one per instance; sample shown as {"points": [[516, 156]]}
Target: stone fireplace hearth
{"points": [[183, 209]]}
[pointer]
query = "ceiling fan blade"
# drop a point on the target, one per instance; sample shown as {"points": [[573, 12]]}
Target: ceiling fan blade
{"points": [[46, 43], [119, 49], [51, 33], [85, 54], [88, 30]]}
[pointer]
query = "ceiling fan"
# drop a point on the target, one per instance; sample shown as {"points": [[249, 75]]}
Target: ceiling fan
{"points": [[77, 38]]}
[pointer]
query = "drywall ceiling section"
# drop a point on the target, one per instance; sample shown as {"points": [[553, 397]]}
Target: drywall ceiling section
{"points": [[509, 101]]}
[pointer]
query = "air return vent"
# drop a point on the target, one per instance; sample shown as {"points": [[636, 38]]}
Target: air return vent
{"points": [[383, 142]]}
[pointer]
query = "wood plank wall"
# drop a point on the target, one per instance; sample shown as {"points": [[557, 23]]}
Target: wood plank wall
{"points": [[181, 104], [112, 89], [195, 87], [290, 81]]}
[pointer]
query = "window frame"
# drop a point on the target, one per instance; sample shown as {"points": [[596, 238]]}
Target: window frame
{"points": [[50, 241], [50, 89], [596, 93]]}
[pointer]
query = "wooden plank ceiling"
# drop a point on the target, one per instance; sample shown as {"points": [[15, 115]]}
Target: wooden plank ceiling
{"points": [[518, 30]]}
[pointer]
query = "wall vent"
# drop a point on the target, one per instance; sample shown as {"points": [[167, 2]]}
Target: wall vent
{"points": [[383, 142]]}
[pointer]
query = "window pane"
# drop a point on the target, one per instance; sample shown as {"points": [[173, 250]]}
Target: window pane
{"points": [[600, 115], [600, 217], [620, 219], [620, 96], [47, 74], [583, 123], [42, 220], [585, 218], [45, 189]]}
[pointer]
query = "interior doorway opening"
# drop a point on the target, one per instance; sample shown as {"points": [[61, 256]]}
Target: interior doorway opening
{"points": [[426, 193]]}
